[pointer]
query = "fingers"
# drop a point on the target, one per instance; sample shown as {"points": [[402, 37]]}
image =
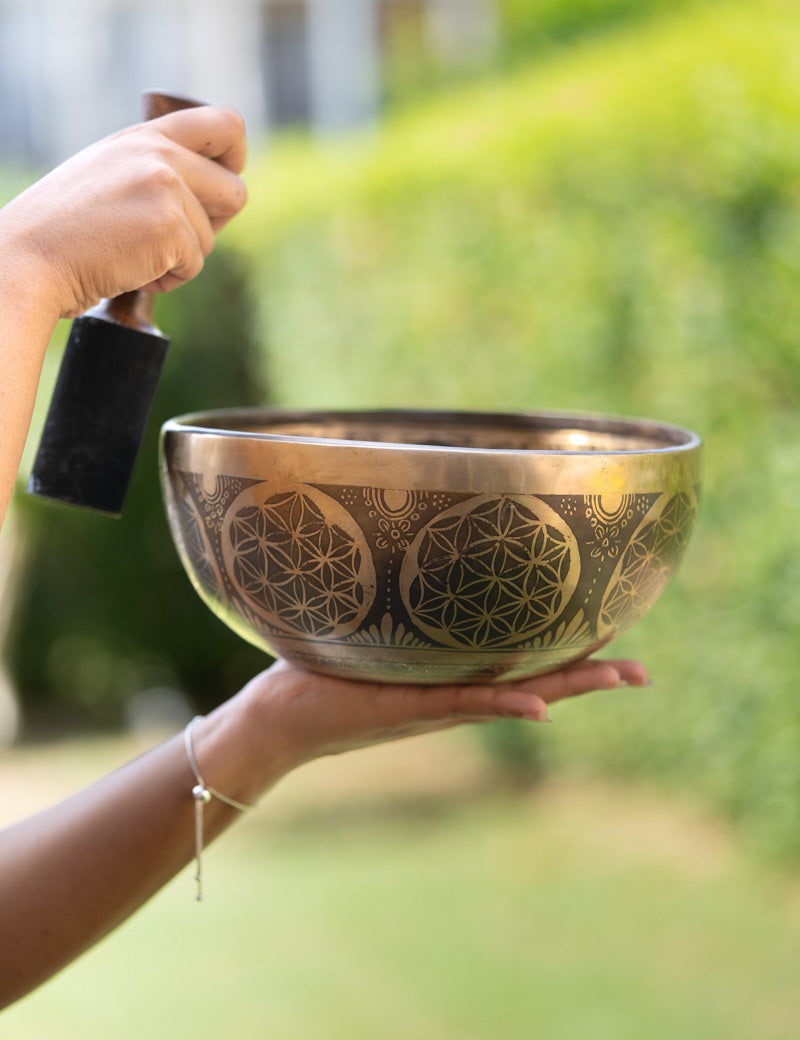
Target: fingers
{"points": [[204, 152], [319, 715], [209, 131], [587, 675], [191, 239], [206, 149], [451, 705], [221, 193], [529, 698], [138, 209]]}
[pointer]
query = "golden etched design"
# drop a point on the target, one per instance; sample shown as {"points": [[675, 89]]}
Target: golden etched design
{"points": [[464, 578], [608, 517], [648, 561], [395, 513], [576, 632], [299, 559], [490, 572], [197, 546], [213, 496], [388, 634], [202, 510]]}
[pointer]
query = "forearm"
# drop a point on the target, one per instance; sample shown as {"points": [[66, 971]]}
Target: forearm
{"points": [[71, 874], [27, 321]]}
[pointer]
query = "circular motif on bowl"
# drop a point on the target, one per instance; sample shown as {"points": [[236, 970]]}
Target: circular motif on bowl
{"points": [[490, 572], [299, 559]]}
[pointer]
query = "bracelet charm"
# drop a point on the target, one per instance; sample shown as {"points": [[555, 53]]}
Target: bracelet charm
{"points": [[202, 794]]}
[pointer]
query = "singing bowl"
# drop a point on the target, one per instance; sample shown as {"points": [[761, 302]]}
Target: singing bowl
{"points": [[428, 547]]}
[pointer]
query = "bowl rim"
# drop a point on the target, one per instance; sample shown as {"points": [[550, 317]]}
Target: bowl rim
{"points": [[673, 438]]}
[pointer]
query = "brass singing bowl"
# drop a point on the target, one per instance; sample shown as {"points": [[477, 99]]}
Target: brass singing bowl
{"points": [[428, 547]]}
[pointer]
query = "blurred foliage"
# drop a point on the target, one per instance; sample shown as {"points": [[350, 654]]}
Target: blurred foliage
{"points": [[531, 28], [617, 229], [104, 607], [516, 32], [409, 69]]}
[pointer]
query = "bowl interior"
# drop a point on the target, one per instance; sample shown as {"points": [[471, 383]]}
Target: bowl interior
{"points": [[486, 432]]}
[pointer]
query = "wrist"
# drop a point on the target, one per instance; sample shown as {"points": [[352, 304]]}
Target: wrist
{"points": [[28, 286], [32, 283], [238, 747]]}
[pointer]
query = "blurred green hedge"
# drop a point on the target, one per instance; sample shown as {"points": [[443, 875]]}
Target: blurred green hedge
{"points": [[614, 229], [530, 28]]}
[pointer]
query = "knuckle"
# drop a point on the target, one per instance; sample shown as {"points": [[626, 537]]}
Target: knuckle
{"points": [[169, 222], [232, 121], [162, 176]]}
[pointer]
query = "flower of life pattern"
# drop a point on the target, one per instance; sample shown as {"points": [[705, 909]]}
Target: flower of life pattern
{"points": [[490, 572], [304, 572], [648, 561]]}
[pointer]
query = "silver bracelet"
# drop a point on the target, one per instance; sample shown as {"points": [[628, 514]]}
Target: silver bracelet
{"points": [[202, 793]]}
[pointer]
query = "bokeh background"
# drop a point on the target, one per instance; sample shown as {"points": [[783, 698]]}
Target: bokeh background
{"points": [[500, 205]]}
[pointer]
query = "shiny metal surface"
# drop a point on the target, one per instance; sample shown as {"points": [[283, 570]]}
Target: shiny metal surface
{"points": [[428, 546]]}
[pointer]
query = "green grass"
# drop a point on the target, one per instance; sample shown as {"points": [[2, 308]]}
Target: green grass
{"points": [[578, 911]]}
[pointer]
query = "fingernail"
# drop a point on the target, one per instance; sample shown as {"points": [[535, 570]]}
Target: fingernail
{"points": [[524, 715], [514, 705], [622, 683]]}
